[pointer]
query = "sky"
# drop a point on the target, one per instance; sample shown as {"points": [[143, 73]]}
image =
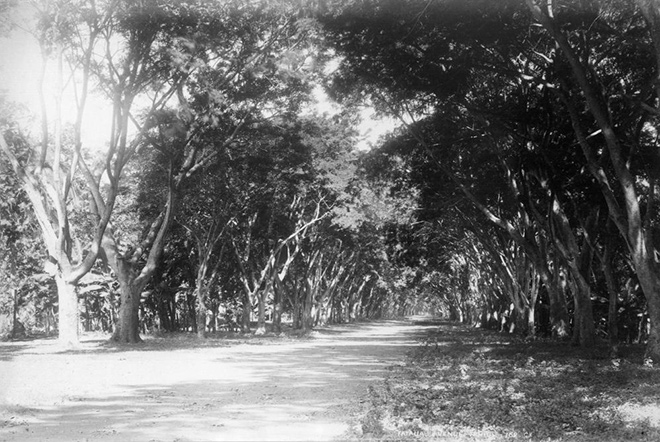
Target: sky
{"points": [[371, 127], [20, 63]]}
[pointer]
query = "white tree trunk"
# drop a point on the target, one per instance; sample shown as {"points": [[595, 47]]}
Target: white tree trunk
{"points": [[69, 315]]}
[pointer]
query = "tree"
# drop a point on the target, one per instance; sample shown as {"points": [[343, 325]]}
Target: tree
{"points": [[20, 248], [482, 69], [76, 33], [239, 66], [291, 189], [588, 89], [48, 176], [206, 217], [466, 115]]}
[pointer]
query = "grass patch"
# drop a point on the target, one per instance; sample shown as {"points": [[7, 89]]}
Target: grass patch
{"points": [[469, 384]]}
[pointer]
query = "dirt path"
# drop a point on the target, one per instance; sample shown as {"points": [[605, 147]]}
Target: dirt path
{"points": [[262, 390]]}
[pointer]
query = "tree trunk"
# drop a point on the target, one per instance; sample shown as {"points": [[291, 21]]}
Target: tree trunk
{"points": [[49, 315], [559, 322], [88, 317], [308, 303], [612, 322], [214, 317], [14, 314], [625, 213], [17, 328], [69, 315], [127, 329], [531, 309], [355, 310], [584, 332], [192, 312], [247, 313], [261, 312], [578, 260], [277, 307], [650, 283], [201, 294], [164, 312], [296, 313]]}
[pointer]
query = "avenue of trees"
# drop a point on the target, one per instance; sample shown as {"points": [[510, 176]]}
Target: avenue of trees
{"points": [[219, 194], [518, 191], [530, 130]]}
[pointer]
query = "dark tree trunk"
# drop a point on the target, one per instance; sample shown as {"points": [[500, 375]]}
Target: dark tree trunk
{"points": [[127, 330], [262, 295], [613, 293], [214, 316], [308, 303], [650, 282], [297, 309], [14, 314], [164, 313], [246, 314], [584, 332], [559, 321], [192, 312], [201, 295], [277, 307]]}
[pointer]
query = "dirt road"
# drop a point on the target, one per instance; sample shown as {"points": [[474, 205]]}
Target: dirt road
{"points": [[273, 389]]}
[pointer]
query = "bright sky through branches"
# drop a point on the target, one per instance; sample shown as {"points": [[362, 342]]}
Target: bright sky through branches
{"points": [[371, 128], [20, 64]]}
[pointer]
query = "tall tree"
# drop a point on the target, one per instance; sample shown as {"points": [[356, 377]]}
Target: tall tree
{"points": [[68, 34], [513, 86], [21, 251], [592, 94], [225, 64], [233, 66]]}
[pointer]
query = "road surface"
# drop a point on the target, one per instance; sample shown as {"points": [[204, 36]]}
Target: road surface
{"points": [[270, 389]]}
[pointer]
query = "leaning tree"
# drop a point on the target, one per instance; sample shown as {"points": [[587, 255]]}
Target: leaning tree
{"points": [[232, 66], [587, 70], [175, 75]]}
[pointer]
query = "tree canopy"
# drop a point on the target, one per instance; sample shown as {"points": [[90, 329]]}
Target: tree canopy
{"points": [[519, 190]]}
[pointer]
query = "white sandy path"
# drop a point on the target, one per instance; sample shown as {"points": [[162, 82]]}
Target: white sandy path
{"points": [[287, 390]]}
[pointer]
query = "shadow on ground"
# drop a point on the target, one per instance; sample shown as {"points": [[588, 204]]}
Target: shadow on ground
{"points": [[290, 390], [7, 352], [471, 384]]}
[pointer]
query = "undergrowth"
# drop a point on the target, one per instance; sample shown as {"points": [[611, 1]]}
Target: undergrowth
{"points": [[468, 384]]}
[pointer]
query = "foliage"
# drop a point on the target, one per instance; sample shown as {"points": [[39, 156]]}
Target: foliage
{"points": [[479, 205], [491, 116], [24, 288]]}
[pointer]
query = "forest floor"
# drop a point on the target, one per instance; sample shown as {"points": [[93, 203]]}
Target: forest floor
{"points": [[466, 384], [410, 380], [177, 388]]}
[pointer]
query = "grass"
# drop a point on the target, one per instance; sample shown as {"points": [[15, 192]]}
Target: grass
{"points": [[468, 384]]}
